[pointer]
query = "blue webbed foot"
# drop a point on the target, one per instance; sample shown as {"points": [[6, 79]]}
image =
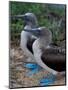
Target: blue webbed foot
{"points": [[34, 68], [50, 79]]}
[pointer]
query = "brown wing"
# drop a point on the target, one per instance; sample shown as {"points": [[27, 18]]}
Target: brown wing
{"points": [[55, 58]]}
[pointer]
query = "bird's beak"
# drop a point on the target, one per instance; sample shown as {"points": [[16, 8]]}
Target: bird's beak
{"points": [[18, 16], [35, 32]]}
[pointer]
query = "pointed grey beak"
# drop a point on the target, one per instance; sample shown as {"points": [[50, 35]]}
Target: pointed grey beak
{"points": [[18, 16], [35, 31]]}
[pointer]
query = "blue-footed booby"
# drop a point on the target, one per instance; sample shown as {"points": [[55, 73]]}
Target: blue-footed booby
{"points": [[27, 38], [51, 58]]}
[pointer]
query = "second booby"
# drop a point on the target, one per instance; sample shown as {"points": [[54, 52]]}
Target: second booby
{"points": [[51, 58]]}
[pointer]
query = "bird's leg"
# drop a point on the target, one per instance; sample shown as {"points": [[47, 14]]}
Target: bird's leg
{"points": [[30, 59]]}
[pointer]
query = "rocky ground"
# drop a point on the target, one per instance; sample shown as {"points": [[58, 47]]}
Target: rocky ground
{"points": [[17, 71]]}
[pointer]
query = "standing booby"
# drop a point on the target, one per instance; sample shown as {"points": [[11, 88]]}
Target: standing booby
{"points": [[51, 58], [27, 38]]}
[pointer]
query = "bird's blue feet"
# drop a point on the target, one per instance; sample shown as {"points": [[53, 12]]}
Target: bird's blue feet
{"points": [[50, 79], [30, 65], [34, 68]]}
